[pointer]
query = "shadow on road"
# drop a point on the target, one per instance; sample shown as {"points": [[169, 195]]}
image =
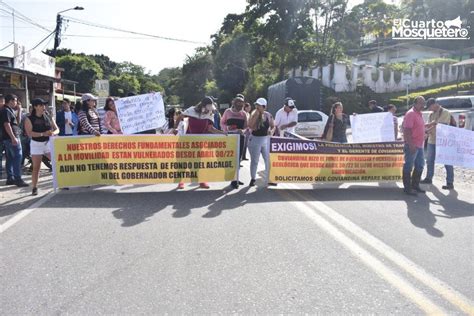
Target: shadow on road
{"points": [[14, 199], [133, 208], [420, 215]]}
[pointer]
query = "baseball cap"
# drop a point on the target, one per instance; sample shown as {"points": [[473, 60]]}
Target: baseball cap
{"points": [[38, 101], [290, 102], [430, 102], [87, 97], [261, 101]]}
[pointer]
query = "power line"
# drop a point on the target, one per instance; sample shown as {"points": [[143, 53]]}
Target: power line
{"points": [[3, 48], [104, 36], [21, 16], [70, 19], [23, 20], [44, 39]]}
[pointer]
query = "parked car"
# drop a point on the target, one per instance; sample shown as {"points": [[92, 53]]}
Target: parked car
{"points": [[460, 107], [311, 123]]}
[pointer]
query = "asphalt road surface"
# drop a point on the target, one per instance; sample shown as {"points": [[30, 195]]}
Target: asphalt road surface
{"points": [[340, 249]]}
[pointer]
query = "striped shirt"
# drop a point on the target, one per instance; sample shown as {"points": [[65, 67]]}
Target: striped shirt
{"points": [[89, 125]]}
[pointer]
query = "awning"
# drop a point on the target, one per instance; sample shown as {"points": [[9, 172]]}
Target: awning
{"points": [[71, 98], [29, 73]]}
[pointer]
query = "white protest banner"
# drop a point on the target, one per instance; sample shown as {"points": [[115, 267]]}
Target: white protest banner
{"points": [[372, 128], [141, 113], [454, 146]]}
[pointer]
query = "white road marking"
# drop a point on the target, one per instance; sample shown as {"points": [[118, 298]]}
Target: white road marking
{"points": [[22, 214], [403, 286], [440, 287]]}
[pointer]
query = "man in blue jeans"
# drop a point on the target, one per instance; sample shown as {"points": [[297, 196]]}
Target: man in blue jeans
{"points": [[414, 138], [11, 141], [439, 115]]}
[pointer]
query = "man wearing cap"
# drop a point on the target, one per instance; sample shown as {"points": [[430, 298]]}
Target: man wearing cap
{"points": [[414, 138], [374, 108], [11, 141], [88, 116], [287, 117], [439, 115]]}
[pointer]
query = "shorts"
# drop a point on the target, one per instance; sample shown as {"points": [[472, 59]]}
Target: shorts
{"points": [[39, 148]]}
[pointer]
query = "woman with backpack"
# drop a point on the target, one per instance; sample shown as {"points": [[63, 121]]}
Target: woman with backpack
{"points": [[40, 128]]}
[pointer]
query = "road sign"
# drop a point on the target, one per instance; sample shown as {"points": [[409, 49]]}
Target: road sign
{"points": [[102, 88]]}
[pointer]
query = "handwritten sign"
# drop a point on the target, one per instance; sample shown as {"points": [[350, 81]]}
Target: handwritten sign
{"points": [[372, 128], [141, 113], [454, 146]]}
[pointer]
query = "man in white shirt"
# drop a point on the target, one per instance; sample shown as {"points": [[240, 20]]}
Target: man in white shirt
{"points": [[287, 117], [67, 120]]}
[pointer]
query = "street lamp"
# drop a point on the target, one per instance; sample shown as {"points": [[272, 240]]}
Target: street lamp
{"points": [[59, 22]]}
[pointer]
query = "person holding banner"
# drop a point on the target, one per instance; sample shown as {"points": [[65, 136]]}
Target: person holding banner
{"points": [[40, 128], [414, 138], [111, 121], [374, 108], [261, 123], [234, 121], [439, 115], [247, 133], [88, 116], [338, 122], [393, 109], [286, 118], [201, 121]]}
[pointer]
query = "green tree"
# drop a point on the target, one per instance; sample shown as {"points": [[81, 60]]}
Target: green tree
{"points": [[151, 86], [108, 66], [82, 69], [378, 20], [231, 63], [123, 84], [170, 80], [281, 27], [197, 70]]}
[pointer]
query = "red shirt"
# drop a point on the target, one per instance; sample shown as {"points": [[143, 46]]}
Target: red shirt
{"points": [[198, 126], [414, 121]]}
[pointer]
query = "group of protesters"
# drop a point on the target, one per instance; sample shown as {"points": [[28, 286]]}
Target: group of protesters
{"points": [[253, 127]]}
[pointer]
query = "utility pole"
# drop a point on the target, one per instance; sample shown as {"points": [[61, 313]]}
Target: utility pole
{"points": [[57, 35], [13, 19], [59, 22]]}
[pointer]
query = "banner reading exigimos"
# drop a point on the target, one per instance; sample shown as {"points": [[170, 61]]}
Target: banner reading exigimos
{"points": [[295, 160], [140, 159]]}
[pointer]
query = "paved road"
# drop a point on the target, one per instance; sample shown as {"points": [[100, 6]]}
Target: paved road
{"points": [[351, 248]]}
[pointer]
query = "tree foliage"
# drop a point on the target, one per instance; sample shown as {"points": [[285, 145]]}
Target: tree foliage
{"points": [[82, 69], [197, 70], [123, 84]]}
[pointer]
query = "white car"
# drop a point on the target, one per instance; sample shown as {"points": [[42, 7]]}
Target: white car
{"points": [[311, 123]]}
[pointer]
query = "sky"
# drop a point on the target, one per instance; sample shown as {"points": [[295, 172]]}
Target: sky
{"points": [[191, 20], [181, 19]]}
